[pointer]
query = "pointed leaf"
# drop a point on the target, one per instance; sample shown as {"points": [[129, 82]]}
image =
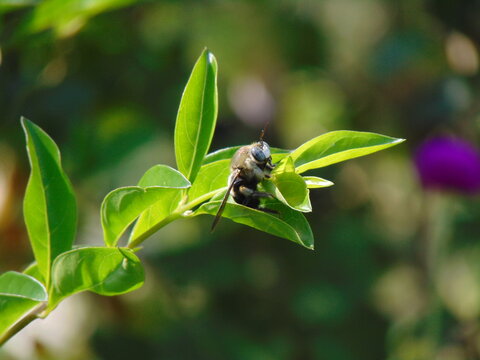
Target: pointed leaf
{"points": [[105, 271], [197, 116], [19, 294], [49, 206], [337, 146], [288, 224], [314, 182]]}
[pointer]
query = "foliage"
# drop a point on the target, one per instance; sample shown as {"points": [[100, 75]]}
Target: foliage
{"points": [[161, 196]]}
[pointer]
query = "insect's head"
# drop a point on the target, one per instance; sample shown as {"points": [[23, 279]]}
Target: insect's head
{"points": [[261, 151]]}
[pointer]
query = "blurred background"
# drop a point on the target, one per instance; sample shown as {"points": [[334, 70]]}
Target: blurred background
{"points": [[396, 269]]}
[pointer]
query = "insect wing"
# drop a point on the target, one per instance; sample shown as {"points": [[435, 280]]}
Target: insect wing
{"points": [[224, 201]]}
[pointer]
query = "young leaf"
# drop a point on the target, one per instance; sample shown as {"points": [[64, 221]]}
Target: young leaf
{"points": [[337, 146], [157, 176], [164, 176], [33, 271], [289, 187], [211, 177], [122, 206], [49, 206], [288, 224], [156, 213], [105, 271], [286, 165], [314, 182], [197, 116], [19, 294]]}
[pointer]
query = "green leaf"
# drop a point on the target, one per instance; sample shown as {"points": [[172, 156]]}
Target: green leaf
{"points": [[211, 177], [227, 153], [289, 187], [314, 182], [156, 213], [33, 271], [122, 206], [19, 294], [285, 165], [164, 176], [337, 146], [197, 116], [288, 224], [13, 283], [157, 176], [49, 206], [105, 271]]}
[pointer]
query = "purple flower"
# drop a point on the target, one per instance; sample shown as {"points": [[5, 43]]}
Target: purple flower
{"points": [[448, 163]]}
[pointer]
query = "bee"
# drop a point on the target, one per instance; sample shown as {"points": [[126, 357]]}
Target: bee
{"points": [[249, 166]]}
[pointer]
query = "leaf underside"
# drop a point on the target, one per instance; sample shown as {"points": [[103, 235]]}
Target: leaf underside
{"points": [[19, 294]]}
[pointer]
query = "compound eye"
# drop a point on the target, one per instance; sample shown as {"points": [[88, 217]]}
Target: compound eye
{"points": [[265, 149], [258, 154]]}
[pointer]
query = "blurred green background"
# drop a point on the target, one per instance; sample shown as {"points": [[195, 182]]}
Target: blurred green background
{"points": [[396, 270]]}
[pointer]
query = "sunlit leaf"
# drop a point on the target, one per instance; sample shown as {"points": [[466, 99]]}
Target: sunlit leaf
{"points": [[33, 271], [314, 182], [291, 189], [105, 271], [49, 205], [197, 116], [122, 206], [19, 294], [288, 224], [211, 177], [159, 175], [285, 165], [337, 146], [164, 176], [156, 213]]}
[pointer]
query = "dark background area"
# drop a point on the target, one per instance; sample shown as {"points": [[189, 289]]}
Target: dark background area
{"points": [[395, 273]]}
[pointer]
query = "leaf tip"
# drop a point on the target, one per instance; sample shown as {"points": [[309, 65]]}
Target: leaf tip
{"points": [[209, 56], [25, 122]]}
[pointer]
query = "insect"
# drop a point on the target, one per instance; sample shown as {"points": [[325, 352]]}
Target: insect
{"points": [[249, 166]]}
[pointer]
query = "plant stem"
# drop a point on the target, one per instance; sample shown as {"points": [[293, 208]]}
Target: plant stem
{"points": [[19, 325]]}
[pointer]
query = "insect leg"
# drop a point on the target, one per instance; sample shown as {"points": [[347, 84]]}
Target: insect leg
{"points": [[232, 179], [247, 192]]}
